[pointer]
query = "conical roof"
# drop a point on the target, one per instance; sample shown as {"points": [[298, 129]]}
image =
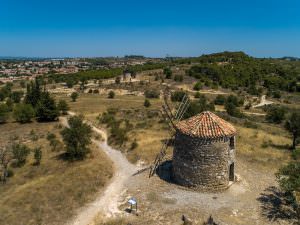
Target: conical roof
{"points": [[206, 125]]}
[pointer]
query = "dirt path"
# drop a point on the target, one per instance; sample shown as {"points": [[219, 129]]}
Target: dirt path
{"points": [[106, 203], [263, 102]]}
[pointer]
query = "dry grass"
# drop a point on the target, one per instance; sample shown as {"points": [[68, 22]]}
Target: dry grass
{"points": [[267, 145], [52, 192]]}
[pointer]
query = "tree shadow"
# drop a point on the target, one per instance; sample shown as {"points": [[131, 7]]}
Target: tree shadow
{"points": [[277, 205], [281, 147]]}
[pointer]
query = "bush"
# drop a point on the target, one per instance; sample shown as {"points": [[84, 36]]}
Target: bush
{"points": [[152, 93], [197, 86], [74, 96], [233, 100], [168, 73], [276, 94], [275, 114], [4, 110], [63, 107], [197, 95], [20, 153], [111, 94], [296, 154], [220, 100], [37, 155], [23, 113], [177, 96], [232, 110], [147, 103], [51, 136]]}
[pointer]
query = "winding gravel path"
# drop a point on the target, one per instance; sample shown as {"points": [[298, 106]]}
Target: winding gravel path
{"points": [[107, 202]]}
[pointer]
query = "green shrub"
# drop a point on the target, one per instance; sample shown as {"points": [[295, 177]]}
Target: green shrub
{"points": [[20, 153], [168, 73], [275, 114], [197, 95], [232, 110], [152, 93], [74, 96], [296, 154], [23, 113], [147, 103], [197, 86], [4, 110], [63, 107], [37, 155], [111, 94]]}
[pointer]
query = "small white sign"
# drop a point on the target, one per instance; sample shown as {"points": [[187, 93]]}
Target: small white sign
{"points": [[132, 201]]}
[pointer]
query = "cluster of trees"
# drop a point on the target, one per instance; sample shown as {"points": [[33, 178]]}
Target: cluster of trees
{"points": [[236, 69], [99, 74], [196, 106], [37, 103]]}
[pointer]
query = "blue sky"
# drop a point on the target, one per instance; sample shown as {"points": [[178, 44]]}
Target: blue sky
{"points": [[265, 28]]}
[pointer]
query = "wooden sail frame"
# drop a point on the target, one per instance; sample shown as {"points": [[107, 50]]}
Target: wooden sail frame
{"points": [[171, 119]]}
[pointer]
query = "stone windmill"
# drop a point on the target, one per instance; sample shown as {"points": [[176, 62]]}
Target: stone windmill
{"points": [[204, 149]]}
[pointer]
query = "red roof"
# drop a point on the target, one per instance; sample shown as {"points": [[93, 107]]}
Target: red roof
{"points": [[206, 125]]}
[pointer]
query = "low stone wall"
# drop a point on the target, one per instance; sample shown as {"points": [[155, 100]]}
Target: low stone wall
{"points": [[201, 163]]}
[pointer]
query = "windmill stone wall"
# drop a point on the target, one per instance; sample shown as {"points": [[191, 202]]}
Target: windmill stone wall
{"points": [[203, 162]]}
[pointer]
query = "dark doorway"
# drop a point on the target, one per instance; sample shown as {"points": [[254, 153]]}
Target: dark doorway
{"points": [[231, 172]]}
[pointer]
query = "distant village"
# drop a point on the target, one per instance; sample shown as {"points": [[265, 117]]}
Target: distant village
{"points": [[11, 70]]}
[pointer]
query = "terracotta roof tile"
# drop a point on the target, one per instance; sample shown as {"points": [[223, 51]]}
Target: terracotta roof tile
{"points": [[206, 125]]}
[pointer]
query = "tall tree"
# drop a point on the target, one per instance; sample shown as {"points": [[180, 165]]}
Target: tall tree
{"points": [[33, 93], [77, 137], [46, 109], [293, 126]]}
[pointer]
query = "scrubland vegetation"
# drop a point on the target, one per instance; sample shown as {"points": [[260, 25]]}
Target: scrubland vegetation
{"points": [[43, 186]]}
